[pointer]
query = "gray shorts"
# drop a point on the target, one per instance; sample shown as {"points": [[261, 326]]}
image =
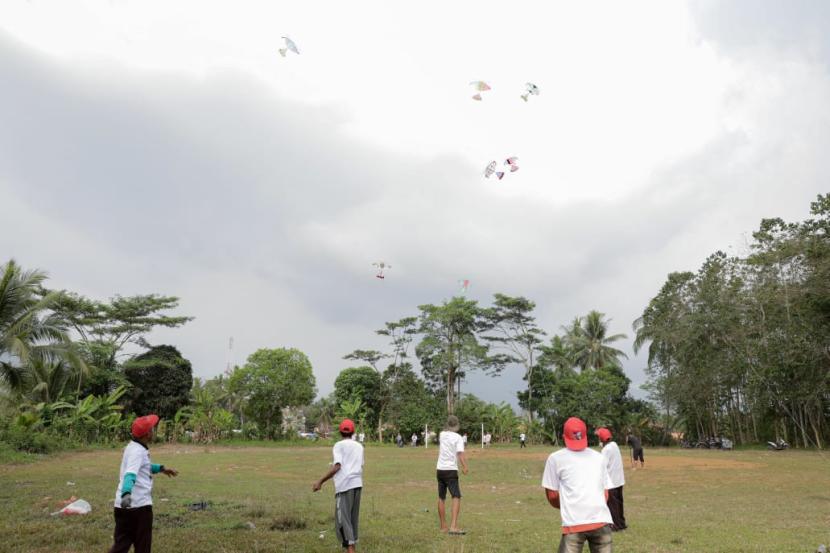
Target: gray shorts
{"points": [[346, 515]]}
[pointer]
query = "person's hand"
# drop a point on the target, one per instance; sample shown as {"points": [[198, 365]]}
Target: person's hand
{"points": [[316, 487], [126, 500], [464, 470], [170, 472]]}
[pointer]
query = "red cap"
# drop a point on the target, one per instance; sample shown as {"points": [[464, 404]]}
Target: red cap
{"points": [[143, 425], [604, 434], [347, 426], [576, 434]]}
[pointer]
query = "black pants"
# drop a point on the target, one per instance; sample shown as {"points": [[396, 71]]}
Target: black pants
{"points": [[133, 527], [615, 505], [448, 479]]}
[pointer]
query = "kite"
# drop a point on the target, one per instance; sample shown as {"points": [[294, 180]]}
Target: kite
{"points": [[532, 89], [381, 265], [463, 286], [479, 86], [511, 161], [491, 169], [289, 46]]}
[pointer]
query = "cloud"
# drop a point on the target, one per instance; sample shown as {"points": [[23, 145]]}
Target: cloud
{"points": [[264, 214]]}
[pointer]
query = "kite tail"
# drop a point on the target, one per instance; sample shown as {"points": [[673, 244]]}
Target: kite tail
{"points": [[477, 97], [283, 51]]}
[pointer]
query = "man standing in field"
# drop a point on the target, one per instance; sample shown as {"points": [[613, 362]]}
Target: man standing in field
{"points": [[636, 451], [133, 498], [347, 470], [575, 482], [450, 453], [522, 438], [616, 478]]}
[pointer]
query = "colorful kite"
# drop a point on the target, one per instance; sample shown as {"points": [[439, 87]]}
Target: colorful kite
{"points": [[479, 86], [491, 169], [289, 46], [511, 161], [532, 89], [381, 266], [463, 286]]}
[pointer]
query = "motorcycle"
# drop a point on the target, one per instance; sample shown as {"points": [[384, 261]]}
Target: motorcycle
{"points": [[778, 445]]}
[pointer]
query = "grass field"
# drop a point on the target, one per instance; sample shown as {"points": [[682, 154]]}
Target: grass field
{"points": [[691, 501]]}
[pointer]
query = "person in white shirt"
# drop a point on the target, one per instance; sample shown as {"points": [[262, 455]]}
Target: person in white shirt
{"points": [[347, 471], [522, 439], [464, 437], [414, 440], [361, 437], [576, 483], [450, 453], [133, 497], [616, 478]]}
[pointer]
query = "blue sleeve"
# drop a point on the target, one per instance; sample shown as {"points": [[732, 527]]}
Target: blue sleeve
{"points": [[155, 469], [129, 481]]}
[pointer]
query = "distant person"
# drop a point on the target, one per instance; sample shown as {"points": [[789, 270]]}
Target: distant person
{"points": [[487, 438], [133, 497], [616, 478], [464, 437], [361, 437], [575, 482], [414, 439], [450, 453], [636, 451], [347, 470], [522, 439], [399, 440]]}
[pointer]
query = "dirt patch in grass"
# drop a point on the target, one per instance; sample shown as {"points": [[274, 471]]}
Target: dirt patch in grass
{"points": [[286, 523], [699, 463]]}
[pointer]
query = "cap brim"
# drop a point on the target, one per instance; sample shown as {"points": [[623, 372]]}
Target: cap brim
{"points": [[576, 445]]}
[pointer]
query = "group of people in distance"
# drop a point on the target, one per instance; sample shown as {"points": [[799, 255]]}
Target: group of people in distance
{"points": [[585, 485]]}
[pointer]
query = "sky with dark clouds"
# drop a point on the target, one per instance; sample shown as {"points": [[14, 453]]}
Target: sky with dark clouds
{"points": [[143, 150]]}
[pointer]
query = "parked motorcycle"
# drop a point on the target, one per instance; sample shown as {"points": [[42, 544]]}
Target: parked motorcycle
{"points": [[778, 445]]}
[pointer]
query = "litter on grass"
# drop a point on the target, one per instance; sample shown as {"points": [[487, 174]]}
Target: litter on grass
{"points": [[77, 507]]}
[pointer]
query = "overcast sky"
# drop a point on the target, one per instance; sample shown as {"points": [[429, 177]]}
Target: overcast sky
{"points": [[166, 147]]}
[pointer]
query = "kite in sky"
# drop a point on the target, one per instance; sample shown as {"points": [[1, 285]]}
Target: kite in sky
{"points": [[463, 286], [479, 86], [381, 266], [532, 90], [491, 169], [511, 161], [289, 46]]}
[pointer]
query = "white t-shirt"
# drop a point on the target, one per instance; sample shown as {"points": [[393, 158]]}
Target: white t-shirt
{"points": [[349, 454], [465, 439], [136, 459], [451, 445], [614, 464], [581, 480], [522, 437]]}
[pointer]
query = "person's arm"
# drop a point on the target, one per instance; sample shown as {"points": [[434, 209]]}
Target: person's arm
{"points": [[463, 460], [553, 497], [331, 472], [155, 469]]}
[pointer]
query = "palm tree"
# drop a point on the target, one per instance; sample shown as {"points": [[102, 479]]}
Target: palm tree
{"points": [[30, 337], [588, 337]]}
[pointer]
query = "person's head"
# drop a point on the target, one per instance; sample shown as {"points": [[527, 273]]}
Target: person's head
{"points": [[346, 428], [143, 428], [604, 435], [575, 434], [452, 423]]}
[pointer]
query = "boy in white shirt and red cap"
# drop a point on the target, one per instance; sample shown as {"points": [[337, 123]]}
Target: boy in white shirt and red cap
{"points": [[616, 478], [576, 483], [133, 500], [347, 470]]}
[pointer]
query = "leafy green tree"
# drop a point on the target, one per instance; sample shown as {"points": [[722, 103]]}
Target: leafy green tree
{"points": [[161, 380], [273, 379], [364, 384], [590, 342]]}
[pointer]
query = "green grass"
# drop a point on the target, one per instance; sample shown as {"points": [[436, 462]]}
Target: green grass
{"points": [[684, 501]]}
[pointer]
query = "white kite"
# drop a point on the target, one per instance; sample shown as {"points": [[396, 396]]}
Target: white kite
{"points": [[532, 90], [490, 170], [381, 266], [289, 46]]}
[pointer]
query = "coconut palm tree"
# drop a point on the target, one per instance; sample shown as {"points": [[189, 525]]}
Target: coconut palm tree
{"points": [[590, 342], [31, 338]]}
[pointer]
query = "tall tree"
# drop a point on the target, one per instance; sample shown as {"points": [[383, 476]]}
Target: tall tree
{"points": [[360, 383], [591, 343], [514, 330], [161, 380]]}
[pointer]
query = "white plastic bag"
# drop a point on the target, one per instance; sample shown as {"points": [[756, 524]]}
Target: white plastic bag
{"points": [[79, 507]]}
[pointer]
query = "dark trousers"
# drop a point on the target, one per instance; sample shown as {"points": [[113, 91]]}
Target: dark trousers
{"points": [[615, 505], [133, 527]]}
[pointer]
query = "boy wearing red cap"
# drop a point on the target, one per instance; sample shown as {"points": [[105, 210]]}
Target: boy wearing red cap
{"points": [[616, 478], [347, 470], [133, 500], [575, 482]]}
